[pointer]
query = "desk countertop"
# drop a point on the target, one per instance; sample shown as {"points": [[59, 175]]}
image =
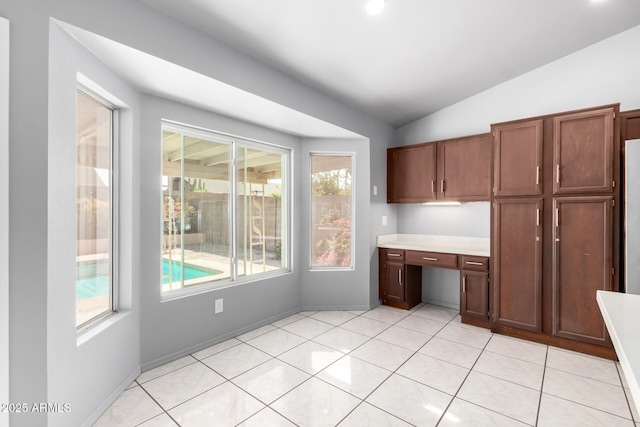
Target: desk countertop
{"points": [[476, 246], [621, 313]]}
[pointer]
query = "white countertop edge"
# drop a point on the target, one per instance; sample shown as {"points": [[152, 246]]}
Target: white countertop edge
{"points": [[629, 356], [477, 246]]}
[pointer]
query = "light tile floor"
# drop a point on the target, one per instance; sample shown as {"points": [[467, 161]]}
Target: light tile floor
{"points": [[383, 367]]}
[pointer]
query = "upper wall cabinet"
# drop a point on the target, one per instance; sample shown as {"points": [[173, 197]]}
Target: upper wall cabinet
{"points": [[583, 152], [411, 174], [453, 170], [518, 158], [464, 168]]}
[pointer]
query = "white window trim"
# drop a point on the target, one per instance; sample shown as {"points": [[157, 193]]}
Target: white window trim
{"points": [[287, 197], [351, 154], [98, 94]]}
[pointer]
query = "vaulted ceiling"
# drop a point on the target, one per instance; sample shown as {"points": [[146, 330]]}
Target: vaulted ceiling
{"points": [[417, 56]]}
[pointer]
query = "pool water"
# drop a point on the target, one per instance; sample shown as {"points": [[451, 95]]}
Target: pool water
{"points": [[93, 278]]}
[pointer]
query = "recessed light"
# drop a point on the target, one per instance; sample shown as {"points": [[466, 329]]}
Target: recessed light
{"points": [[375, 6]]}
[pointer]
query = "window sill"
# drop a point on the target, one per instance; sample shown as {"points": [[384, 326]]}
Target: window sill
{"points": [[216, 286], [94, 329]]}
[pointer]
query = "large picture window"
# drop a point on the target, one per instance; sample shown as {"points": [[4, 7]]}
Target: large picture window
{"points": [[331, 210], [95, 278], [224, 206]]}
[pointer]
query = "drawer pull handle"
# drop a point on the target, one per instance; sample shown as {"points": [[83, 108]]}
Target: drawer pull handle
{"points": [[474, 263], [393, 254], [429, 259]]}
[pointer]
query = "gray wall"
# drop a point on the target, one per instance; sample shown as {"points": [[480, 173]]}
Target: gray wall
{"points": [[107, 358], [4, 216], [40, 329], [632, 216]]}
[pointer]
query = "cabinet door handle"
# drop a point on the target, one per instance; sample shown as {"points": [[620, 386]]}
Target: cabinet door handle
{"points": [[537, 175], [442, 186], [464, 285], [558, 173], [433, 186], [393, 254], [400, 277], [537, 217], [474, 263], [557, 218], [429, 259]]}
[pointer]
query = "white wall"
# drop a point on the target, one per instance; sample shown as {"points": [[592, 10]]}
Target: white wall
{"points": [[86, 371], [4, 217], [604, 73], [338, 289]]}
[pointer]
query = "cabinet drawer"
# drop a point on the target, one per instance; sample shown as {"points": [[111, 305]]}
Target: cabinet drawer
{"points": [[432, 259], [476, 263], [395, 255]]}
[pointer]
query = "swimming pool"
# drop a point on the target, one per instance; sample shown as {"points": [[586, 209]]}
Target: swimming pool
{"points": [[93, 278]]}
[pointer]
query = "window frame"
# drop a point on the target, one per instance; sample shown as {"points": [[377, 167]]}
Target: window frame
{"points": [[287, 195], [114, 285], [352, 156]]}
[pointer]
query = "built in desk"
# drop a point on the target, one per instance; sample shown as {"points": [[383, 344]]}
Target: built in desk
{"points": [[402, 257]]}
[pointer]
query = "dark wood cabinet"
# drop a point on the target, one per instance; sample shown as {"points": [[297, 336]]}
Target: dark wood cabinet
{"points": [[517, 265], [518, 159], [464, 168], [553, 220], [582, 261], [400, 285], [395, 289], [453, 170], [583, 152], [474, 288], [411, 174]]}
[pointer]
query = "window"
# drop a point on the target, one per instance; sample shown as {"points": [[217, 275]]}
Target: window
{"points": [[225, 207], [331, 211], [95, 265]]}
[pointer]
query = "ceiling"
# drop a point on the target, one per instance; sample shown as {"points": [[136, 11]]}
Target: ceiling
{"points": [[417, 56]]}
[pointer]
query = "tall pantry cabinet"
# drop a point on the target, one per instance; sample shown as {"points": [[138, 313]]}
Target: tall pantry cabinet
{"points": [[553, 216]]}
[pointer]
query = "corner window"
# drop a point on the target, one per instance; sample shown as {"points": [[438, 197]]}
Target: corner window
{"points": [[331, 211], [224, 204], [95, 278]]}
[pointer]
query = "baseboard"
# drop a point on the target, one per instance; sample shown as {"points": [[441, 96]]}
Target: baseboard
{"points": [[217, 340], [442, 304], [336, 308], [112, 398]]}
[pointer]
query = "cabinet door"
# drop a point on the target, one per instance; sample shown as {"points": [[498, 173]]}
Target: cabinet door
{"points": [[582, 265], [464, 168], [411, 174], [518, 158], [517, 263], [583, 152], [395, 282], [474, 294]]}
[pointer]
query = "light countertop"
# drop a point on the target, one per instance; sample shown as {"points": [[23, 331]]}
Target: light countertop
{"points": [[477, 246], [621, 313]]}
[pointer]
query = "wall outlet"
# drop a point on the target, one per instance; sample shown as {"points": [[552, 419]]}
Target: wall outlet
{"points": [[384, 220], [218, 306], [375, 190]]}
